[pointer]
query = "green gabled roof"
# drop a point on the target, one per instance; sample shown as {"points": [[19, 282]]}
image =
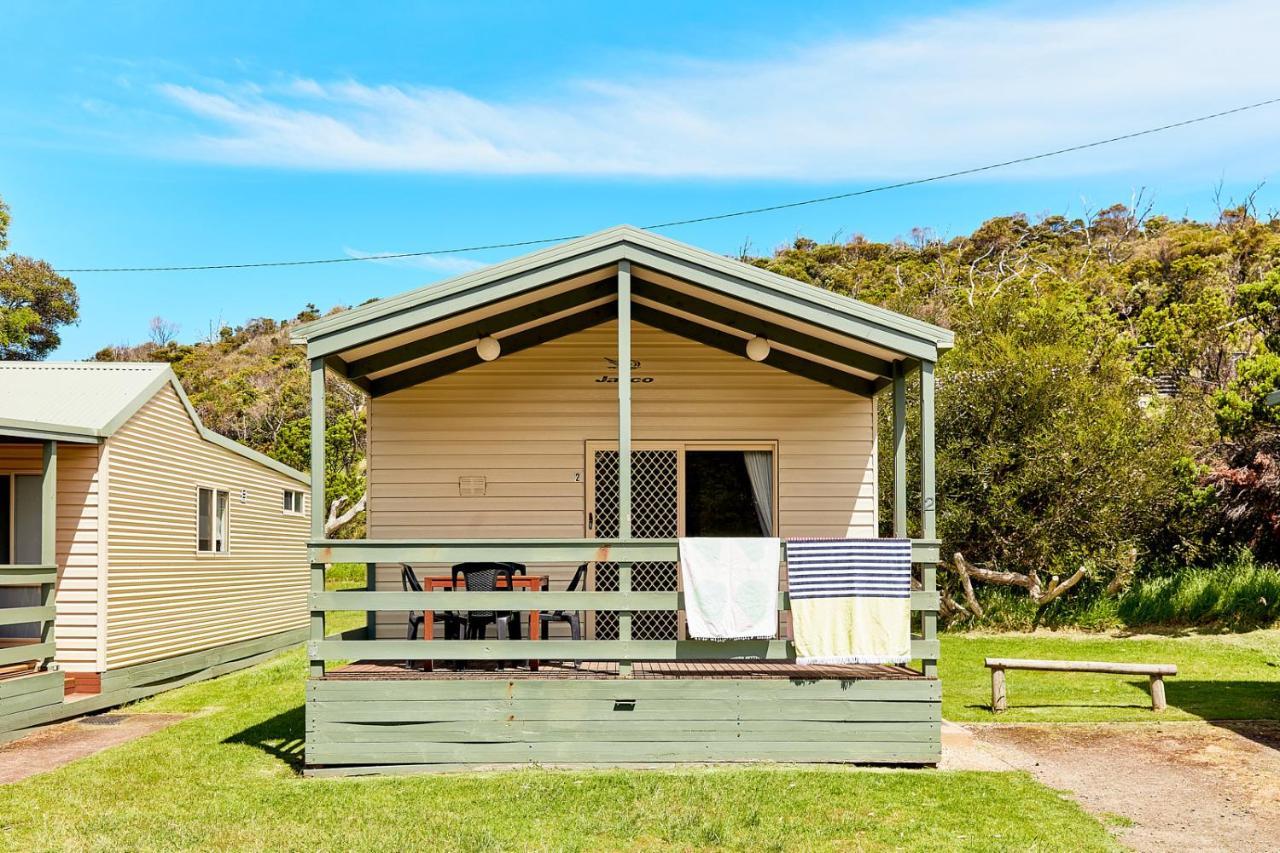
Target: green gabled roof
{"points": [[87, 401], [889, 329]]}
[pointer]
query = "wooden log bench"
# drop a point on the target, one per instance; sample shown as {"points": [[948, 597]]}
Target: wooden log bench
{"points": [[1156, 672]]}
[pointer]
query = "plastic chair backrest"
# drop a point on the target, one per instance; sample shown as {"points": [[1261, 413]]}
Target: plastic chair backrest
{"points": [[408, 580], [482, 577]]}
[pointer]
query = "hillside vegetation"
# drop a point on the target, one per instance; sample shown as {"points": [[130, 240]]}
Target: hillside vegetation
{"points": [[250, 384], [1101, 419]]}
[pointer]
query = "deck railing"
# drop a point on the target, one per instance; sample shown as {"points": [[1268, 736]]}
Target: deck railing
{"points": [[42, 614], [361, 644]]}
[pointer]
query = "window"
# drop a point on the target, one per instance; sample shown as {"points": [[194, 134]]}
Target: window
{"points": [[211, 521], [292, 502], [728, 493]]}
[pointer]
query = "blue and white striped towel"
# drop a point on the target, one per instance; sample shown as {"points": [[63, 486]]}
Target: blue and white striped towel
{"points": [[850, 600]]}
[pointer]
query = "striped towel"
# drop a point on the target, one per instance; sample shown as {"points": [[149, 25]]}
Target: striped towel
{"points": [[850, 600]]}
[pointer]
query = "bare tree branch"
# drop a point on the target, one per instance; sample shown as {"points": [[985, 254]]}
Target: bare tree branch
{"points": [[336, 522]]}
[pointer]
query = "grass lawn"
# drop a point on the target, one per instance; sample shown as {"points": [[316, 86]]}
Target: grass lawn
{"points": [[1220, 677], [227, 778]]}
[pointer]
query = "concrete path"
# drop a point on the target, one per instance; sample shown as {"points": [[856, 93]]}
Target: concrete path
{"points": [[52, 747]]}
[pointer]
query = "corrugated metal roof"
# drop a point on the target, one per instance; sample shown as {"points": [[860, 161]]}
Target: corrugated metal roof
{"points": [[76, 397], [90, 400]]}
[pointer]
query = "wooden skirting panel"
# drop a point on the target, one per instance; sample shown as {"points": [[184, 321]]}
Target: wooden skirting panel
{"points": [[355, 726], [23, 694], [138, 682]]}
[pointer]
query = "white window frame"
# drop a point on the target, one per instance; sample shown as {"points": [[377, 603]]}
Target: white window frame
{"points": [[216, 495], [299, 507]]}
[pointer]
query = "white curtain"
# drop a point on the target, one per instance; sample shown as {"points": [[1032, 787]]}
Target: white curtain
{"points": [[760, 470]]}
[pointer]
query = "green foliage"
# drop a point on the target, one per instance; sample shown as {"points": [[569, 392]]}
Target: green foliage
{"points": [[1241, 407], [1054, 451], [34, 303], [1239, 593]]}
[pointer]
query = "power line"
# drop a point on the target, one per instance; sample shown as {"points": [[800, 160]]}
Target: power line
{"points": [[712, 218]]}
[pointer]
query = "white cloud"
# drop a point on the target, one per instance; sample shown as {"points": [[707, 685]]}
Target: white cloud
{"points": [[448, 264], [932, 95]]}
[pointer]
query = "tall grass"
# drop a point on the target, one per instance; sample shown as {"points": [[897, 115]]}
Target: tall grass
{"points": [[1238, 594]]}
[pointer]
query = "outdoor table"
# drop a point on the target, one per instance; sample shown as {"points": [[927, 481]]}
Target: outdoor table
{"points": [[535, 583]]}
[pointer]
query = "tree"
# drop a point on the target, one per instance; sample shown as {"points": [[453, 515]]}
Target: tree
{"points": [[162, 331], [34, 302]]}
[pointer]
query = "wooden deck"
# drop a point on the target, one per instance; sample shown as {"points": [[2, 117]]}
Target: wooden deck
{"points": [[595, 670]]}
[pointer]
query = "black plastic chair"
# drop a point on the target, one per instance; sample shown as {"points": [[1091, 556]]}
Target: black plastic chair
{"points": [[573, 617], [483, 577], [452, 621]]}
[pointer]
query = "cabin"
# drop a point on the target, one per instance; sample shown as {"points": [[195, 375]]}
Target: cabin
{"points": [[138, 549], [574, 412]]}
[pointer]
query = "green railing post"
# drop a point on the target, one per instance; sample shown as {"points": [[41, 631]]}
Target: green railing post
{"points": [[48, 538], [318, 504], [899, 450], [624, 446], [928, 507]]}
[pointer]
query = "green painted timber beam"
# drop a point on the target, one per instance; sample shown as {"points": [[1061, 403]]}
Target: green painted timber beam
{"points": [[19, 615], [625, 310], [530, 551], [341, 368], [479, 328], [511, 344], [29, 652], [785, 335], [737, 346], [529, 600], [24, 575], [596, 650]]}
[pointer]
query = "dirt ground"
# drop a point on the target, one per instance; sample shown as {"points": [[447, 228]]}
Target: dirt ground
{"points": [[1169, 786], [52, 747]]}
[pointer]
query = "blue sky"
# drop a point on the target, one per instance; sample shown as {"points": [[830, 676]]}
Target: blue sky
{"points": [[140, 134]]}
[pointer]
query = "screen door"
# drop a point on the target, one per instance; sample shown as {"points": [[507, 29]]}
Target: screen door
{"points": [[655, 514], [23, 518]]}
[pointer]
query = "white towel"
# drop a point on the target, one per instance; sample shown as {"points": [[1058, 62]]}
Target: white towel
{"points": [[730, 587]]}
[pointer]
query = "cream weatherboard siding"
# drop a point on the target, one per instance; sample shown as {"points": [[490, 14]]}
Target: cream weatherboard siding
{"points": [[164, 599], [523, 423], [77, 628]]}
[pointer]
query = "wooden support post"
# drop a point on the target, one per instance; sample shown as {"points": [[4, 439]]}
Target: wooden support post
{"points": [[48, 536], [899, 450], [928, 508], [624, 446], [318, 502], [998, 699], [928, 499], [371, 616], [1157, 693]]}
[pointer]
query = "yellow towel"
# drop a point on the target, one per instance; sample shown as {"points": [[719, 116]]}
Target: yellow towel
{"points": [[850, 600]]}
